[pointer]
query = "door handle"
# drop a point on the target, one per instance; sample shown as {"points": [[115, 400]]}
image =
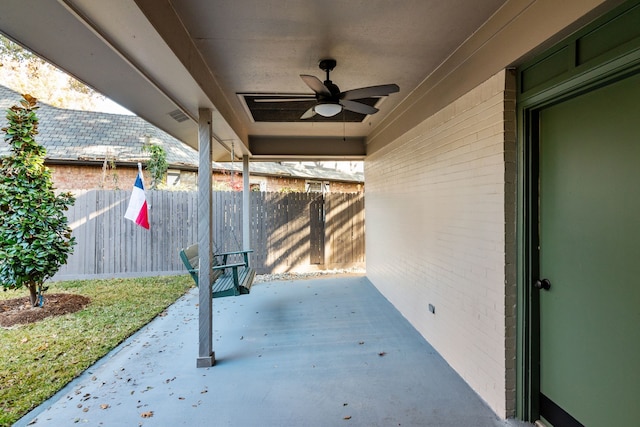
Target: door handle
{"points": [[542, 284]]}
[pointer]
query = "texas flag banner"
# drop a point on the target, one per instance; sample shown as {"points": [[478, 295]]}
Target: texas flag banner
{"points": [[137, 210]]}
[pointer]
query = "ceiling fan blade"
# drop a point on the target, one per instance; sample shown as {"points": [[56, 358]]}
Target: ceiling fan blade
{"points": [[308, 114], [358, 107], [315, 84], [309, 98], [368, 92]]}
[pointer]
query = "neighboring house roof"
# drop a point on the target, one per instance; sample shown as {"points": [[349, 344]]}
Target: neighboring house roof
{"points": [[73, 135], [90, 136], [296, 170]]}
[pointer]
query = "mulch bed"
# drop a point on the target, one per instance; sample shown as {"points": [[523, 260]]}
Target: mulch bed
{"points": [[18, 311]]}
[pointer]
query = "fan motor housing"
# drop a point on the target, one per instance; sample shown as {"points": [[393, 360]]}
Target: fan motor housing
{"points": [[334, 89]]}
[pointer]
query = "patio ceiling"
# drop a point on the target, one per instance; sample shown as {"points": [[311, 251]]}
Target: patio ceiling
{"points": [[165, 59]]}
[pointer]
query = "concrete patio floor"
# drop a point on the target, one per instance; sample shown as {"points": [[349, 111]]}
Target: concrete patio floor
{"points": [[317, 352]]}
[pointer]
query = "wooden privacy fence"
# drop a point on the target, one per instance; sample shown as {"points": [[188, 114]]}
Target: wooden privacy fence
{"points": [[294, 231]]}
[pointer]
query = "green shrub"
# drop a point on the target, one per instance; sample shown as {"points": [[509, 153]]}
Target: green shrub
{"points": [[35, 239]]}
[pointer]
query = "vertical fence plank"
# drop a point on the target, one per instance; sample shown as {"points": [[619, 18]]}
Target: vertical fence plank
{"points": [[89, 247]]}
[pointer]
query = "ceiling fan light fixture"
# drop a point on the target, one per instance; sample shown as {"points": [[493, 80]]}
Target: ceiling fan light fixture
{"points": [[331, 101], [327, 109]]}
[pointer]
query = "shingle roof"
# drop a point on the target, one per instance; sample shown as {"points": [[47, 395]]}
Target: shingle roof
{"points": [[88, 135], [91, 136], [293, 170]]}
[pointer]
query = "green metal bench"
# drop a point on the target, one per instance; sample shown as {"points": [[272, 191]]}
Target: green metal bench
{"points": [[228, 279]]}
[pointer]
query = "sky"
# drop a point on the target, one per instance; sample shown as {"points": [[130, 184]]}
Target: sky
{"points": [[109, 106]]}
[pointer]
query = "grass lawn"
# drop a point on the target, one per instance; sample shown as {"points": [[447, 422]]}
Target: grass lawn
{"points": [[37, 360]]}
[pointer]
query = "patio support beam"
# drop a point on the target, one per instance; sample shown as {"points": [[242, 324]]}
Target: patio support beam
{"points": [[206, 355], [278, 147], [246, 200]]}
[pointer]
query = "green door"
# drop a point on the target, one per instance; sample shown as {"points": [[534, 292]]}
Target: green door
{"points": [[589, 236]]}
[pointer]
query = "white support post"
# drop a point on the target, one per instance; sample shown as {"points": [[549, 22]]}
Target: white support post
{"points": [[206, 355], [246, 200]]}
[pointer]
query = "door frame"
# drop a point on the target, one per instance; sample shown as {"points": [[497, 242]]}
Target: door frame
{"points": [[605, 51]]}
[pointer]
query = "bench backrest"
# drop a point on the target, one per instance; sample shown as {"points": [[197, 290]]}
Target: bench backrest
{"points": [[191, 260]]}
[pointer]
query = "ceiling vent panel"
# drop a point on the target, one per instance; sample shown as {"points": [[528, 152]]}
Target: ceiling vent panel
{"points": [[178, 116], [288, 108]]}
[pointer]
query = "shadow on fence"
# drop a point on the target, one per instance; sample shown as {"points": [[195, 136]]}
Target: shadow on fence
{"points": [[294, 231]]}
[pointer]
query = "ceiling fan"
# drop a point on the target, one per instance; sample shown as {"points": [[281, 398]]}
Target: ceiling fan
{"points": [[330, 101]]}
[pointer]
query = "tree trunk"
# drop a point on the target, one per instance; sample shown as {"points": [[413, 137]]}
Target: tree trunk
{"points": [[33, 295]]}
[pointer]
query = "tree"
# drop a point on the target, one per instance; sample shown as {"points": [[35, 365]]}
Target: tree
{"points": [[35, 239], [157, 164], [23, 71]]}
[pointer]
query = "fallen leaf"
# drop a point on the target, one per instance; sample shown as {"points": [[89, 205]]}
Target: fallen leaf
{"points": [[85, 409], [104, 406], [348, 417], [147, 414]]}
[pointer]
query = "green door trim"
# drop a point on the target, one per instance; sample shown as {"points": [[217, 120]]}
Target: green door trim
{"points": [[605, 51]]}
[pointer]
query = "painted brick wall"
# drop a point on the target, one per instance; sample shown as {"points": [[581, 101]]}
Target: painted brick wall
{"points": [[278, 184], [80, 177], [71, 177], [440, 208]]}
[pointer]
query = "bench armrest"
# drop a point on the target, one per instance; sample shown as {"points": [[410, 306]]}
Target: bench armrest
{"points": [[222, 267], [245, 255], [233, 252]]}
